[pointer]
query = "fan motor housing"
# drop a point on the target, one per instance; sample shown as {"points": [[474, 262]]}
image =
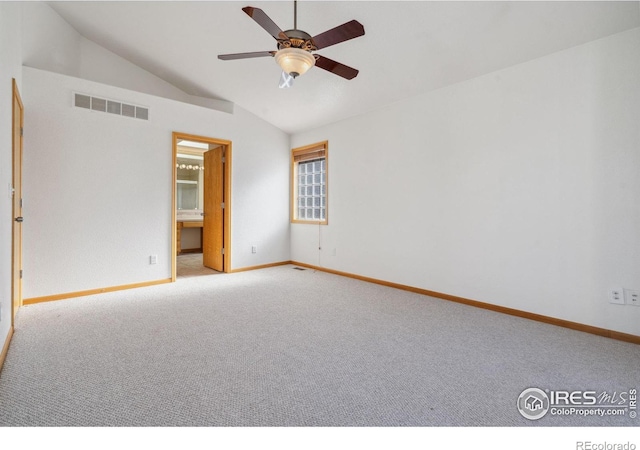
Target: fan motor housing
{"points": [[297, 39]]}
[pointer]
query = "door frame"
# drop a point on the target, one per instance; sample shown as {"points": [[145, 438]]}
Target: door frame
{"points": [[17, 119], [177, 136]]}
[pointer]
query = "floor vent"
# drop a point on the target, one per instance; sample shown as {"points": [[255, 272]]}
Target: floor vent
{"points": [[298, 268], [110, 106]]}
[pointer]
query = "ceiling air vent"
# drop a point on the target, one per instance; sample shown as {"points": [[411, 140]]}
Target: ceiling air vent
{"points": [[110, 106]]}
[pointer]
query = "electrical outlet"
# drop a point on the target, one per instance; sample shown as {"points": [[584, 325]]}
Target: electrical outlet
{"points": [[153, 259], [632, 297], [616, 296], [254, 249]]}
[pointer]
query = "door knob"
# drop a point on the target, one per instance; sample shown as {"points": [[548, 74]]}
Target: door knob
{"points": [[19, 219]]}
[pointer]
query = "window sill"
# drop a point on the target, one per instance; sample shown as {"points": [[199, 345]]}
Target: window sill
{"points": [[311, 222]]}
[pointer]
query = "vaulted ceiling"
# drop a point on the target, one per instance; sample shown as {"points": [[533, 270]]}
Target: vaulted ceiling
{"points": [[409, 47]]}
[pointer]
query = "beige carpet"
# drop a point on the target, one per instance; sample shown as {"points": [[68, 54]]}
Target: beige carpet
{"points": [[282, 347]]}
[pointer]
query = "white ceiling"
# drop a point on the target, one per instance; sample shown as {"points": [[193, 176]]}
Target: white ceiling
{"points": [[409, 47]]}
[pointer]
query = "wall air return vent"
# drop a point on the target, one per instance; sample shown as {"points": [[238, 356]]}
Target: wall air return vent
{"points": [[98, 104], [110, 106], [114, 107], [83, 101], [142, 113]]}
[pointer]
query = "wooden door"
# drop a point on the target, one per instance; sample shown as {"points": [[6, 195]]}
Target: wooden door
{"points": [[213, 223], [16, 268]]}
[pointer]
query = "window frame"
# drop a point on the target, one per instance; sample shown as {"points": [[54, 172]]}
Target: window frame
{"points": [[310, 152]]}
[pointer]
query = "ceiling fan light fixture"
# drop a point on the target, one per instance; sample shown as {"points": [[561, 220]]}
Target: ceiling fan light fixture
{"points": [[294, 61]]}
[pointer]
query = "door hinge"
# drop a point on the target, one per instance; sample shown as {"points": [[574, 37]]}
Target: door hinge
{"points": [[21, 131], [224, 160], [21, 274], [222, 205], [20, 203], [223, 251]]}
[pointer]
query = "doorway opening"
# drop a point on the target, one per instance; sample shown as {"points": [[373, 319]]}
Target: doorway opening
{"points": [[201, 213]]}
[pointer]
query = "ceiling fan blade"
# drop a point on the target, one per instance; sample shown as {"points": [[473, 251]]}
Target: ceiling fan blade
{"points": [[286, 80], [338, 34], [265, 22], [336, 67], [231, 56]]}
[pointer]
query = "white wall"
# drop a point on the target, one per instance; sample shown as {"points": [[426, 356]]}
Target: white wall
{"points": [[10, 67], [519, 188], [82, 231], [50, 43], [81, 167]]}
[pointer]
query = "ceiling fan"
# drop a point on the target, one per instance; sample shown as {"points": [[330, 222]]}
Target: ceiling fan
{"points": [[295, 47]]}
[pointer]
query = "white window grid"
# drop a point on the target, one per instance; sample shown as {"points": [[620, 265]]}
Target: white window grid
{"points": [[312, 190]]}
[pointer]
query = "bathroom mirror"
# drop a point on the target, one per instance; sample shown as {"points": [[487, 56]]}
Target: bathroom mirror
{"points": [[190, 189]]}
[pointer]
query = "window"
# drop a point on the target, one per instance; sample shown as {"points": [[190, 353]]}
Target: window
{"points": [[309, 184]]}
